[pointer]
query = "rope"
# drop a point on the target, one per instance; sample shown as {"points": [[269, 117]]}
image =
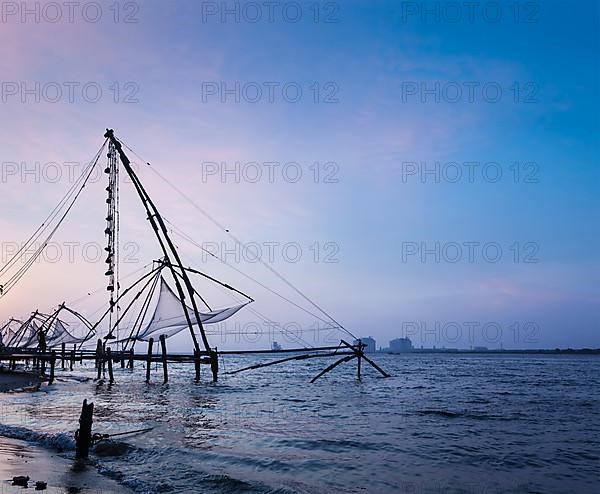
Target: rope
{"points": [[6, 287], [238, 241], [144, 311], [37, 233], [199, 246], [102, 288]]}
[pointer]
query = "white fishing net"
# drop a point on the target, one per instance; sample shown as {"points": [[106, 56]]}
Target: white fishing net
{"points": [[9, 331], [169, 319], [29, 337], [59, 334]]}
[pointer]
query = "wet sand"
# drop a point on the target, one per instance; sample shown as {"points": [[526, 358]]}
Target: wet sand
{"points": [[61, 475]]}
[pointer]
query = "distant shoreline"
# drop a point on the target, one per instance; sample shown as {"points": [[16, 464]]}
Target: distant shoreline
{"points": [[557, 351]]}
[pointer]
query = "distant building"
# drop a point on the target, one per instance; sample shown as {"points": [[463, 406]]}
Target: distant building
{"points": [[370, 344], [401, 345], [276, 346]]}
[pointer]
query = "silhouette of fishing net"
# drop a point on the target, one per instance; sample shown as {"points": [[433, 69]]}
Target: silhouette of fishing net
{"points": [[169, 319], [59, 334], [29, 337], [10, 331]]}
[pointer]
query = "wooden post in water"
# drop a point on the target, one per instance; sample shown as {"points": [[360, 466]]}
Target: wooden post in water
{"points": [[42, 347], [110, 365], [104, 358], [130, 365], [99, 356], [62, 355], [72, 360], [98, 353], [163, 345], [197, 364], [214, 364], [52, 365], [359, 355], [83, 436], [149, 360]]}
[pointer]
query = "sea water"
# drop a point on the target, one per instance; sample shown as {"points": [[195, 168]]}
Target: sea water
{"points": [[442, 424]]}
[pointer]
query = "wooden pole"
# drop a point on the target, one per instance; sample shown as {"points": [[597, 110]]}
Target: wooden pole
{"points": [[332, 366], [131, 359], [83, 436], [98, 353], [71, 363], [383, 373], [359, 356], [197, 364], [99, 358], [110, 365], [368, 360], [52, 364], [62, 354], [149, 360], [42, 345], [214, 365], [163, 344], [167, 245], [287, 359]]}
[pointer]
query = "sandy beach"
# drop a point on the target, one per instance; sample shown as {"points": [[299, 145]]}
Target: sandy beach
{"points": [[18, 458], [61, 474]]}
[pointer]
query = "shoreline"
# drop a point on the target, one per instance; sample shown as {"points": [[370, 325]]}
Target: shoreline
{"points": [[556, 351], [61, 473], [19, 458]]}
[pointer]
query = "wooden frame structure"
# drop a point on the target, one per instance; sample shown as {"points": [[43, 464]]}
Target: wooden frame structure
{"points": [[104, 356]]}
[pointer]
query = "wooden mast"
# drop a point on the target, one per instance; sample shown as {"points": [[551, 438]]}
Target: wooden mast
{"points": [[166, 244]]}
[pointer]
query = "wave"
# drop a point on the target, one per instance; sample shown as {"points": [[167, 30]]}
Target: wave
{"points": [[441, 413], [112, 456], [330, 445], [61, 441]]}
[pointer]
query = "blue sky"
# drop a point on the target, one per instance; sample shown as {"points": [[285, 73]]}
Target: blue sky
{"points": [[372, 213]]}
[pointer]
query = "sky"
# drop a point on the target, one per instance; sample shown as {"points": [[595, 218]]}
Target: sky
{"points": [[420, 169]]}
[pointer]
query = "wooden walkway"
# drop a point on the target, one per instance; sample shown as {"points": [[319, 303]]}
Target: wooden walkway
{"points": [[105, 358]]}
